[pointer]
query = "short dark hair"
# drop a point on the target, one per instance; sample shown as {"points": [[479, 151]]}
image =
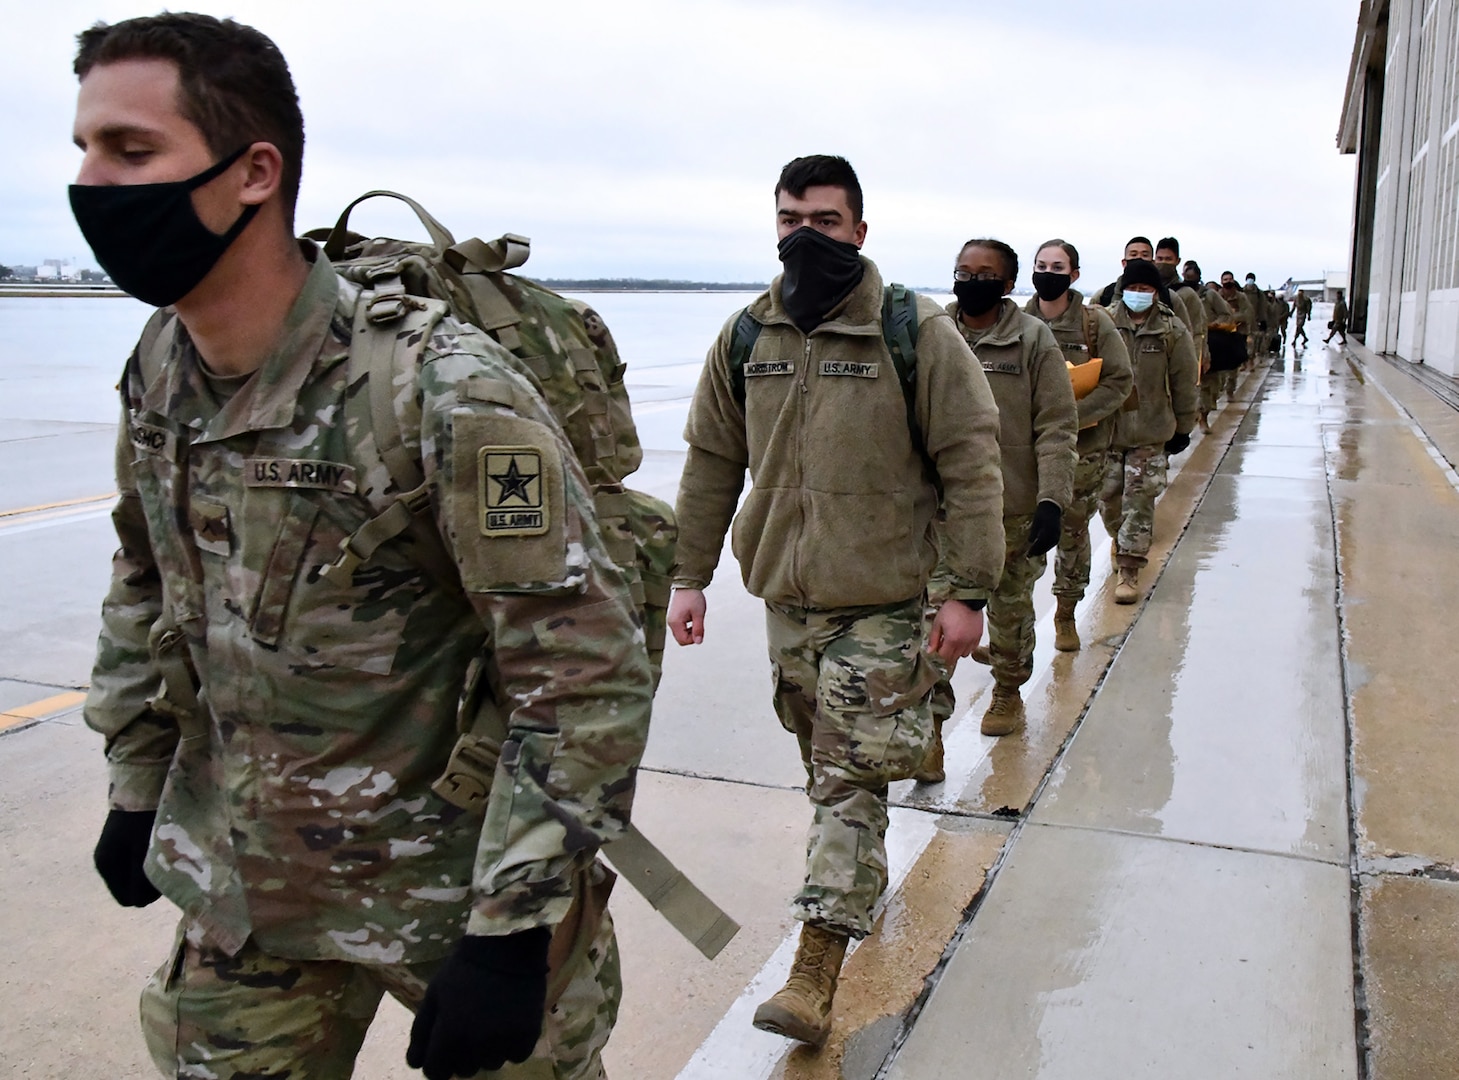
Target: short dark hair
{"points": [[1069, 250], [1168, 243], [1006, 253], [1225, 272], [1191, 264], [234, 84], [1140, 240], [821, 170]]}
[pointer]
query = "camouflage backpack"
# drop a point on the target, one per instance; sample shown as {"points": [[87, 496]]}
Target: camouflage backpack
{"points": [[560, 344], [564, 347]]}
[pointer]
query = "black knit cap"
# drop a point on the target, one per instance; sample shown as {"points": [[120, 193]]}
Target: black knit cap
{"points": [[1141, 272]]}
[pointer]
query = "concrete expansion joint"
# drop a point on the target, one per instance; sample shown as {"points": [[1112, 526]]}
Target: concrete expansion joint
{"points": [[1412, 866], [690, 774]]}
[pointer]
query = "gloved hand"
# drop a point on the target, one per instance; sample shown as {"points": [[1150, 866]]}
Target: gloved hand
{"points": [[484, 1007], [1176, 443], [121, 853], [1043, 534]]}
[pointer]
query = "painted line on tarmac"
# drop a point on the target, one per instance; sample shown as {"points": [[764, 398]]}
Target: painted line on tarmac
{"points": [[63, 504], [40, 710], [48, 515]]}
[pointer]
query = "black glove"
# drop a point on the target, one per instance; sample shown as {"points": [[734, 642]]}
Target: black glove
{"points": [[1176, 443], [122, 852], [1043, 534], [484, 1007]]}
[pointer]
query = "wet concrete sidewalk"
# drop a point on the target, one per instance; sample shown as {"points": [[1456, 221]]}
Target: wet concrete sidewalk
{"points": [[1227, 842], [1180, 901]]}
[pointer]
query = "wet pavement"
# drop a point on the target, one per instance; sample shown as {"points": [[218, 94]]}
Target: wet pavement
{"points": [[1157, 878]]}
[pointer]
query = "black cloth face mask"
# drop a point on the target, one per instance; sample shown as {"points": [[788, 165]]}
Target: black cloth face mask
{"points": [[819, 273], [148, 238], [1051, 286], [978, 297]]}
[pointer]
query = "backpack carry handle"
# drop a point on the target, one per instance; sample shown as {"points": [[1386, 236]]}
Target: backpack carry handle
{"points": [[339, 235]]}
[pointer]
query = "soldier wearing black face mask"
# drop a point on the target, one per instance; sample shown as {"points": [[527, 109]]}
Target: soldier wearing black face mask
{"points": [[836, 535], [1038, 428], [1088, 338]]}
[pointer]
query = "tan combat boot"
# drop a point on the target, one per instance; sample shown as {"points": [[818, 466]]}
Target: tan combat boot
{"points": [[931, 770], [801, 1009], [1005, 714], [1128, 589], [1066, 635]]}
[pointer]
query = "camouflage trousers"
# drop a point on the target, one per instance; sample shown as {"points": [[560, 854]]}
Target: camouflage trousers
{"points": [[852, 685], [1214, 385], [1134, 477], [209, 1016], [1010, 607], [1071, 559]]}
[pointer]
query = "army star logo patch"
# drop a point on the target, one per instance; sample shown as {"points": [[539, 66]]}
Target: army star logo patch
{"points": [[510, 484]]}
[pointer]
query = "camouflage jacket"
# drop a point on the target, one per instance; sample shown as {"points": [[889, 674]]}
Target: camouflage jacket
{"points": [[297, 807]]}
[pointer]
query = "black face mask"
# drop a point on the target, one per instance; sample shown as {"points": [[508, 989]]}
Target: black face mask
{"points": [[148, 238], [819, 274], [1051, 286], [977, 297], [1167, 273]]}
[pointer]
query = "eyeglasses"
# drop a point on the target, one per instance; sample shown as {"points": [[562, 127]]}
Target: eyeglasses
{"points": [[963, 275]]}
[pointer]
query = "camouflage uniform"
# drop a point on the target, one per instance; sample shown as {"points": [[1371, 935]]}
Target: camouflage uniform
{"points": [[1133, 479], [1097, 412], [1038, 431], [851, 686], [1164, 359], [836, 536], [296, 823]]}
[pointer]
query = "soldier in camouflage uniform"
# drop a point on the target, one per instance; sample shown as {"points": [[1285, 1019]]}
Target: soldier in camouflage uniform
{"points": [[1037, 430], [1085, 334], [836, 535], [272, 747], [1164, 360]]}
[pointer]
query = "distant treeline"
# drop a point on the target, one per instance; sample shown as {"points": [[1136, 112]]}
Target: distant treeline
{"points": [[652, 285]]}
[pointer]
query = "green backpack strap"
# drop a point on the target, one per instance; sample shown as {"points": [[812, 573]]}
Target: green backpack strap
{"points": [[899, 330], [380, 349], [742, 344]]}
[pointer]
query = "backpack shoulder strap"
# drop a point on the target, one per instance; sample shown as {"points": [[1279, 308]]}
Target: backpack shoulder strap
{"points": [[899, 327], [742, 344], [383, 354], [1091, 330]]}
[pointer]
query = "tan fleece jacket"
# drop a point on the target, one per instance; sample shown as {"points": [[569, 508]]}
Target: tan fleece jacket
{"points": [[1164, 359], [1116, 379], [1037, 418], [841, 510]]}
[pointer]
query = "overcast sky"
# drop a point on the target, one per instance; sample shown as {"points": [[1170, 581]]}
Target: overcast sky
{"points": [[642, 138]]}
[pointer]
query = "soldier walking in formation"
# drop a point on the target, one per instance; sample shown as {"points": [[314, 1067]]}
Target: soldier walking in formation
{"points": [[275, 716], [1164, 361], [1036, 435], [837, 536], [1087, 337]]}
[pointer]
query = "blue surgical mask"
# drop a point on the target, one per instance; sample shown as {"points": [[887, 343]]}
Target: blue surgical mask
{"points": [[1137, 301]]}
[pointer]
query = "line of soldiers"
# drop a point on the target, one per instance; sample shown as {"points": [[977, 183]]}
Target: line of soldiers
{"points": [[292, 636], [911, 469]]}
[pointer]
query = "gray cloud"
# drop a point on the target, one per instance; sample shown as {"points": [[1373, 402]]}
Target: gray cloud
{"points": [[643, 138]]}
